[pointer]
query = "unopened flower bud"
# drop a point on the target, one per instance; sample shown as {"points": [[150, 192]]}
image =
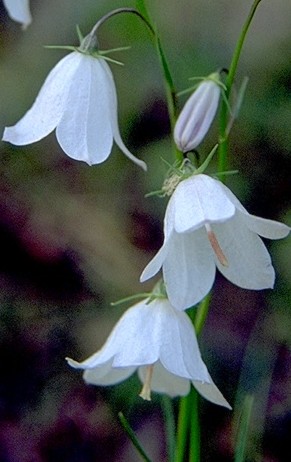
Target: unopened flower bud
{"points": [[197, 115]]}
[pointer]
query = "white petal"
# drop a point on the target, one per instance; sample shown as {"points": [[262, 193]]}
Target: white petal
{"points": [[199, 200], [180, 352], [249, 263], [85, 131], [188, 269], [142, 337], [266, 228], [114, 116], [134, 341], [210, 392], [107, 375], [154, 266], [166, 382], [47, 110], [102, 374], [19, 11], [238, 205]]}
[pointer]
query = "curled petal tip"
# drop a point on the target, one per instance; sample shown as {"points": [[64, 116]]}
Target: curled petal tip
{"points": [[72, 363], [143, 166], [140, 163]]}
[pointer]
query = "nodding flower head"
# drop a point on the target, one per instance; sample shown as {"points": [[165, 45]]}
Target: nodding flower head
{"points": [[160, 343], [78, 99], [205, 227]]}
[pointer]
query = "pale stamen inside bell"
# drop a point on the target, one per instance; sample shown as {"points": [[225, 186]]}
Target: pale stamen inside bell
{"points": [[146, 389], [215, 245]]}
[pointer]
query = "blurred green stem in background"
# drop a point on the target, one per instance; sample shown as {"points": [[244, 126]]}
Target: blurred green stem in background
{"points": [[171, 93], [223, 135]]}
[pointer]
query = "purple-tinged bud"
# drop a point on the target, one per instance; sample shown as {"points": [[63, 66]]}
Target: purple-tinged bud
{"points": [[197, 115]]}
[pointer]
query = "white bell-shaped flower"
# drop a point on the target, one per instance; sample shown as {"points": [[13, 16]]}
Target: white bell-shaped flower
{"points": [[206, 227], [78, 98], [197, 115], [161, 343], [19, 11]]}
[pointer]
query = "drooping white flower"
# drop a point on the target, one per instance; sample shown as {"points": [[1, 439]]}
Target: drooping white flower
{"points": [[161, 343], [78, 98], [19, 11], [206, 226], [197, 115]]}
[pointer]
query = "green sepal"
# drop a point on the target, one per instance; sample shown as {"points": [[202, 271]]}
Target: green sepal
{"points": [[205, 164], [79, 33]]}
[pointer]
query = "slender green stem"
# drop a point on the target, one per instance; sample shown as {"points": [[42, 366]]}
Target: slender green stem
{"points": [[171, 94], [113, 13], [188, 428], [194, 444], [168, 411], [170, 88], [201, 314], [223, 136], [183, 428]]}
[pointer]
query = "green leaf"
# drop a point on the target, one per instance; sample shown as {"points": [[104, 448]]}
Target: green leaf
{"points": [[133, 438], [243, 430]]}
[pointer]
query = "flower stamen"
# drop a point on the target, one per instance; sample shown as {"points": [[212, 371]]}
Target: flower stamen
{"points": [[215, 245], [146, 389]]}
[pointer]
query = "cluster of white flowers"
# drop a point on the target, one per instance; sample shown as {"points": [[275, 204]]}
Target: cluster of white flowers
{"points": [[205, 225]]}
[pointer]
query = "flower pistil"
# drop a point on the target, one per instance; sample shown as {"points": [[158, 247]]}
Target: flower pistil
{"points": [[215, 245], [146, 389]]}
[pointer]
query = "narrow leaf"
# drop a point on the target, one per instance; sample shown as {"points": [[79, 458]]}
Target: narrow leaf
{"points": [[243, 430], [133, 438]]}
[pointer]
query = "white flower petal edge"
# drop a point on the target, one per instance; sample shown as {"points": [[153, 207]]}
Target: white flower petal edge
{"points": [[48, 108], [19, 11], [78, 98], [196, 116], [249, 263], [206, 226], [188, 268], [157, 338]]}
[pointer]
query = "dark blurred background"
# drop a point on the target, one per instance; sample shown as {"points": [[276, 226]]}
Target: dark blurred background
{"points": [[74, 238]]}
